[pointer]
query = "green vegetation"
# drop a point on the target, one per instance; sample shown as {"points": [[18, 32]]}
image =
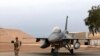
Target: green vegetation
{"points": [[93, 19]]}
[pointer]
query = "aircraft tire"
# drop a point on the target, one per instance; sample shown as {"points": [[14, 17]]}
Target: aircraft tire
{"points": [[55, 54], [52, 50], [71, 51]]}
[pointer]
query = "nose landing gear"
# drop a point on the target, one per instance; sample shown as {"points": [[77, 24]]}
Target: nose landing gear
{"points": [[54, 52]]}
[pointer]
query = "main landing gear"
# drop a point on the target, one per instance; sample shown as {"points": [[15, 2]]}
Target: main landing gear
{"points": [[54, 51], [71, 51], [55, 48]]}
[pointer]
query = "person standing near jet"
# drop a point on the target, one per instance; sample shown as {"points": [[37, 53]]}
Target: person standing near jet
{"points": [[17, 45]]}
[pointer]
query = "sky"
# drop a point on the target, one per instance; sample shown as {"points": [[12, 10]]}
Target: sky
{"points": [[38, 17]]}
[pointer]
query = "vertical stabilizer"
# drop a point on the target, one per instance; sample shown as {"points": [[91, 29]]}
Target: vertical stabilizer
{"points": [[66, 23]]}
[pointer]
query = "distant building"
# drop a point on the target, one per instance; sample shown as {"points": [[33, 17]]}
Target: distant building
{"points": [[95, 40], [79, 35]]}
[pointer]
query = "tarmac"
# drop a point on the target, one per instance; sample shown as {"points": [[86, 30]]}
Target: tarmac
{"points": [[35, 50], [81, 52]]}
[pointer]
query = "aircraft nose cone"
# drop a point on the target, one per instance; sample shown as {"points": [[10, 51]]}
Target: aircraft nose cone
{"points": [[53, 39]]}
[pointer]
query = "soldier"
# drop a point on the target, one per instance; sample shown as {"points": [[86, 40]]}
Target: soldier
{"points": [[17, 45]]}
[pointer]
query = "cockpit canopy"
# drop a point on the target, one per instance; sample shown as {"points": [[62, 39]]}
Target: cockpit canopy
{"points": [[56, 29]]}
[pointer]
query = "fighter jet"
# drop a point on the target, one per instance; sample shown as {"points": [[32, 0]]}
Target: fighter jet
{"points": [[58, 39]]}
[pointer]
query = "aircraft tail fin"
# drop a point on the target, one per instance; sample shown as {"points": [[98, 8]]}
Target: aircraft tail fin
{"points": [[66, 31], [66, 23]]}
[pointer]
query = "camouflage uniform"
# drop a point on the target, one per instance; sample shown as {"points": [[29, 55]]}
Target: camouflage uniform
{"points": [[17, 45]]}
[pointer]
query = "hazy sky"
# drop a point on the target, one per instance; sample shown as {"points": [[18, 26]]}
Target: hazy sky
{"points": [[38, 17]]}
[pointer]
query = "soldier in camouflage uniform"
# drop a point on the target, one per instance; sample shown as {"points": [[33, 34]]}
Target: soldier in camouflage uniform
{"points": [[17, 45]]}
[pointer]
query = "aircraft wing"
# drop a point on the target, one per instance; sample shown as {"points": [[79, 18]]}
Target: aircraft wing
{"points": [[38, 39], [87, 42]]}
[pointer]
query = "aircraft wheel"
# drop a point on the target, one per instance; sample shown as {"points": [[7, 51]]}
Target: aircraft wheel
{"points": [[52, 50], [71, 51], [55, 54]]}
